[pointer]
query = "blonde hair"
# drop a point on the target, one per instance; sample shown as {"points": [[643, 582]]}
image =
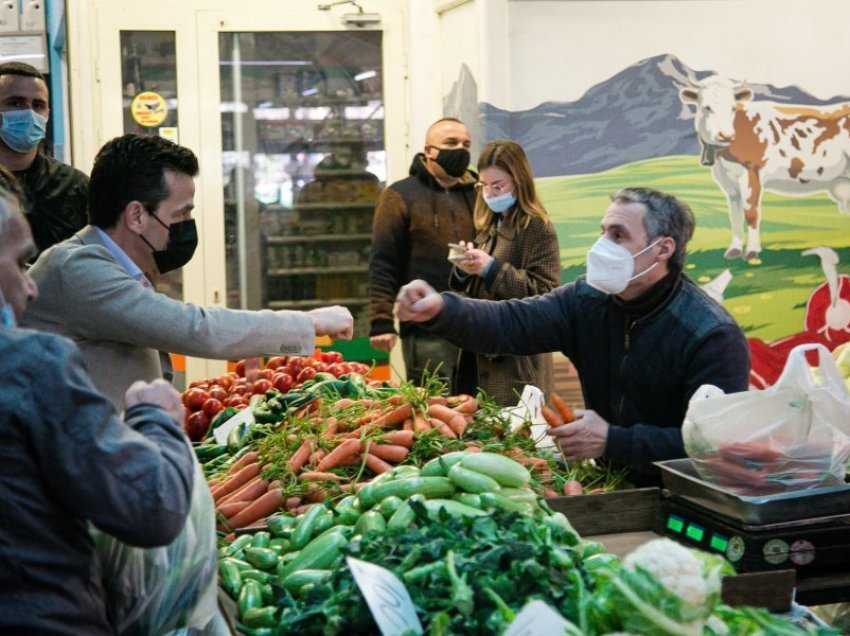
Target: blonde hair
{"points": [[509, 157]]}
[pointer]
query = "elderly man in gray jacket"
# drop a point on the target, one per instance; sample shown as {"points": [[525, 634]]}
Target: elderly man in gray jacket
{"points": [[96, 286], [68, 460]]}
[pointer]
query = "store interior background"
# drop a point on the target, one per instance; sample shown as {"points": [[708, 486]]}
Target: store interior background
{"points": [[590, 88]]}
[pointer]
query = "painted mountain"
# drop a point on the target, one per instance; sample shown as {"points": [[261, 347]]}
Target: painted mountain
{"points": [[634, 115]]}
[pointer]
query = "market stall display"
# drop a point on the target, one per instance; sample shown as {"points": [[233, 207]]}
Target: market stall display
{"points": [[437, 489]]}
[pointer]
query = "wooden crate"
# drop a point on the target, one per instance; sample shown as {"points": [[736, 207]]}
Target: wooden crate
{"points": [[623, 520], [610, 512]]}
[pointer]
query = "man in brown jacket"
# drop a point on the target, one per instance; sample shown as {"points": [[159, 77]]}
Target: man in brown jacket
{"points": [[415, 220]]}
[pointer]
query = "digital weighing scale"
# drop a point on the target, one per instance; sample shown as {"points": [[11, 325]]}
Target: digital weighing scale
{"points": [[805, 530]]}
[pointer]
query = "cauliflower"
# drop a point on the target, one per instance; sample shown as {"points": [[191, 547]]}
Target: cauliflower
{"points": [[677, 568]]}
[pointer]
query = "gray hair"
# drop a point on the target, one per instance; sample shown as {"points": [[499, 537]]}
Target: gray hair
{"points": [[665, 216]]}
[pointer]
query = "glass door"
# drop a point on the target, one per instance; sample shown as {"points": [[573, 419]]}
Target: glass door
{"points": [[304, 156], [297, 118], [303, 162]]}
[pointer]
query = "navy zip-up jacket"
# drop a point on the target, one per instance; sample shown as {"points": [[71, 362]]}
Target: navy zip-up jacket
{"points": [[638, 376]]}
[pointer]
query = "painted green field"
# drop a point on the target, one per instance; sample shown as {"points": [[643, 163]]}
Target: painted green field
{"points": [[768, 299]]}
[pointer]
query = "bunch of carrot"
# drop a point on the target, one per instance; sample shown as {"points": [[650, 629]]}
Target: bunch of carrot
{"points": [[374, 435]]}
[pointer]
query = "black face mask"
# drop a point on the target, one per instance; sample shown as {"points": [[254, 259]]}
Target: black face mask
{"points": [[182, 241], [454, 161]]}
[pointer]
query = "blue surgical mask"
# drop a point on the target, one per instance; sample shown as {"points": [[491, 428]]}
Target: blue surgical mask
{"points": [[500, 203], [7, 313], [21, 130]]}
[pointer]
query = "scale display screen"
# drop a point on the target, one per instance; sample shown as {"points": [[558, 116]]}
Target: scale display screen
{"points": [[697, 533]]}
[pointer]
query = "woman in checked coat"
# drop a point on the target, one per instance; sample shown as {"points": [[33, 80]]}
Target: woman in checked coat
{"points": [[514, 255]]}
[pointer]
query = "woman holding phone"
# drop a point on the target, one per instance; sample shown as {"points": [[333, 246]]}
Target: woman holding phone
{"points": [[514, 255]]}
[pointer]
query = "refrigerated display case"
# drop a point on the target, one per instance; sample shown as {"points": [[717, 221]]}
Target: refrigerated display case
{"points": [[304, 162]]}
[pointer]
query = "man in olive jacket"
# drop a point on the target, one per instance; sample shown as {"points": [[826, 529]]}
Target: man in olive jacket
{"points": [[68, 460]]}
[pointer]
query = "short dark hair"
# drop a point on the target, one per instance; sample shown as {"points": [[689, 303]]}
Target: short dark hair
{"points": [[665, 216], [20, 68], [132, 168]]}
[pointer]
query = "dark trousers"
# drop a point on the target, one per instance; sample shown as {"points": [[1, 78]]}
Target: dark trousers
{"points": [[425, 351]]}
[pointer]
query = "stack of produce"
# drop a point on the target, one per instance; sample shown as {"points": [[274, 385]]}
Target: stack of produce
{"points": [[472, 544], [333, 434]]}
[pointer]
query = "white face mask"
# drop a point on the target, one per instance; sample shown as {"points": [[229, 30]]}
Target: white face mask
{"points": [[611, 267]]}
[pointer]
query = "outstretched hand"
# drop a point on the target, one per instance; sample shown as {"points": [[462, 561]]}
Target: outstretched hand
{"points": [[418, 302], [335, 322]]}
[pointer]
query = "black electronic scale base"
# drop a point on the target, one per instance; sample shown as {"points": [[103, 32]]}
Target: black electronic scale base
{"points": [[809, 544], [805, 530]]}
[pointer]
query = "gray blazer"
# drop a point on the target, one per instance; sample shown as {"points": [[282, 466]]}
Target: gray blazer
{"points": [[120, 325]]}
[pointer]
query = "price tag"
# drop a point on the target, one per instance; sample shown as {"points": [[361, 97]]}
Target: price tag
{"points": [[245, 415], [537, 619], [386, 596], [530, 408]]}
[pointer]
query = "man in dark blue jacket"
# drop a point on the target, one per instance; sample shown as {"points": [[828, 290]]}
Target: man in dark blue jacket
{"points": [[642, 336], [68, 460]]}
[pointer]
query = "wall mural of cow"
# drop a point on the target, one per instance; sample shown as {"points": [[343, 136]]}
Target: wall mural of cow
{"points": [[758, 146]]}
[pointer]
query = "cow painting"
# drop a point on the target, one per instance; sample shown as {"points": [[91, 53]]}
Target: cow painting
{"points": [[753, 146]]}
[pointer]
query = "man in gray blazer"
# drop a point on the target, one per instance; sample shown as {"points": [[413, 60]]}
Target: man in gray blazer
{"points": [[96, 286]]}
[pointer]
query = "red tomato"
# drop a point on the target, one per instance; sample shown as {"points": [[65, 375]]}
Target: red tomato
{"points": [[212, 407], [240, 368], [307, 373], [294, 366], [282, 382], [199, 384], [320, 366], [240, 389], [265, 374], [261, 386], [194, 398], [196, 426], [226, 380], [345, 367], [332, 357], [218, 393], [275, 362], [335, 369], [236, 401]]}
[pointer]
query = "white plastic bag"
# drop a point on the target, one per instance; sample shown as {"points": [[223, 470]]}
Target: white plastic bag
{"points": [[165, 589], [791, 436]]}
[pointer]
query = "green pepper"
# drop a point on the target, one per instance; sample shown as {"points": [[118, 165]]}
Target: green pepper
{"points": [[251, 595], [324, 376], [320, 554], [231, 578], [207, 452], [260, 617], [261, 540], [261, 558], [223, 416], [300, 578], [280, 524], [239, 543], [347, 510], [304, 530], [264, 415], [256, 575]]}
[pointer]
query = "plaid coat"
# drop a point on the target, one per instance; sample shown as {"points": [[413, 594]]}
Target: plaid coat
{"points": [[526, 262]]}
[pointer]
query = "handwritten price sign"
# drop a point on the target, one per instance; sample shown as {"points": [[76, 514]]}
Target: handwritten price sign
{"points": [[387, 598]]}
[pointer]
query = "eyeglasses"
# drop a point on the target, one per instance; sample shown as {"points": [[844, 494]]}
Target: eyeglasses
{"points": [[497, 188]]}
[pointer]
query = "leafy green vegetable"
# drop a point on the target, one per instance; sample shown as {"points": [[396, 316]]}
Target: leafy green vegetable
{"points": [[465, 575]]}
